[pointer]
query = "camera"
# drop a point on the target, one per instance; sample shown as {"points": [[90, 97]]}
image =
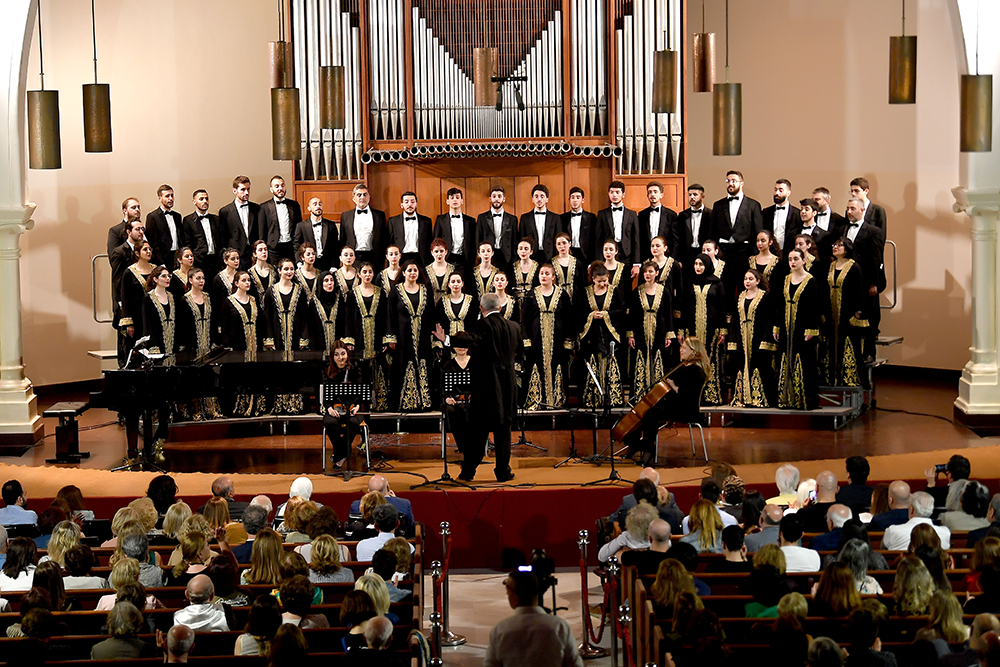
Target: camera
{"points": [[941, 468]]}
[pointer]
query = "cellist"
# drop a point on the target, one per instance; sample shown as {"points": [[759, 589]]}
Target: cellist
{"points": [[680, 401]]}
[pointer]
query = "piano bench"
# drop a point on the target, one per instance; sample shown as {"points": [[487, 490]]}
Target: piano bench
{"points": [[68, 431]]}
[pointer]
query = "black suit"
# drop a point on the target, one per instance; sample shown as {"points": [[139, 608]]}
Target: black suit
{"points": [[791, 220], [304, 233], [668, 229], [158, 235], [397, 236], [485, 233], [743, 230], [116, 237], [442, 230], [869, 253], [194, 235], [704, 233], [237, 238], [832, 220], [591, 245], [875, 215], [380, 235], [629, 252], [545, 244], [122, 257], [272, 228], [494, 342], [823, 239]]}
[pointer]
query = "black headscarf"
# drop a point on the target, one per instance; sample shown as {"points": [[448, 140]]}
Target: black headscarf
{"points": [[709, 275]]}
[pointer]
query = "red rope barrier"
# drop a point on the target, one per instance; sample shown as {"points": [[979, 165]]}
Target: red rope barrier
{"points": [[586, 605]]}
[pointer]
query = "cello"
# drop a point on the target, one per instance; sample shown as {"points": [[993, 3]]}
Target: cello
{"points": [[631, 422]]}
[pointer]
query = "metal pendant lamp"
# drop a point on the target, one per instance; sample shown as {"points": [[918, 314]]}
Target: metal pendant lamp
{"points": [[727, 111], [44, 143], [484, 68], [976, 110], [286, 141], [903, 66], [703, 57], [664, 97], [96, 105], [332, 102]]}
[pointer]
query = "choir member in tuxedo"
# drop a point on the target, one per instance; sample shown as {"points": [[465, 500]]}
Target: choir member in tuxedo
{"points": [[541, 224], [548, 333], [869, 252], [658, 220], [307, 276], [806, 224], [392, 271], [848, 298], [223, 283], [458, 232], [695, 223], [621, 224], [581, 226], [571, 273], [524, 271], [181, 276], [262, 273], [281, 216], [796, 330], [494, 343], [498, 228], [751, 344], [767, 260], [873, 213], [321, 233], [121, 257], [287, 314], [705, 317], [203, 232], [826, 218], [364, 228], [131, 210], [366, 320], [410, 231], [457, 311], [241, 221], [440, 270], [602, 315], [134, 285], [164, 228], [781, 215], [484, 272], [340, 419], [736, 219], [411, 313]]}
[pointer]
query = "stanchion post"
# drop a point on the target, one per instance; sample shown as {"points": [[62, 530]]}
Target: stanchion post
{"points": [[448, 638], [612, 579], [587, 650], [436, 659]]}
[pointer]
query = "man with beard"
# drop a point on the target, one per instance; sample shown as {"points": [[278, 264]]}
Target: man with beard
{"points": [[782, 215]]}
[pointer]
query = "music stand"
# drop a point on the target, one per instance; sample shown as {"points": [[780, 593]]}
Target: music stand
{"points": [[573, 454], [350, 394], [453, 381]]}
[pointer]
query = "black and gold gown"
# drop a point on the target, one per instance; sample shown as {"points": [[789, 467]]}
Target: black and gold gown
{"points": [[651, 324], [752, 347], [179, 284], [524, 281], [259, 284], [572, 277], [310, 286], [670, 275], [484, 285], [287, 317], [365, 327], [596, 336], [326, 321], [455, 317], [705, 314], [797, 315], [133, 292], [387, 282], [439, 284], [848, 297], [159, 322], [220, 291], [549, 330], [243, 329], [767, 270], [195, 336], [410, 317], [345, 285], [510, 311]]}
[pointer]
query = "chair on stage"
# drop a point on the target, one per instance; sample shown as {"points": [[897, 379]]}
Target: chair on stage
{"points": [[692, 420]]}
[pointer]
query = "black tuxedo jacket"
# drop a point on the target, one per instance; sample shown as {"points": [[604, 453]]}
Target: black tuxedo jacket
{"points": [[236, 238], [823, 239], [121, 258], [397, 235], [272, 230], [749, 220], [834, 222], [793, 218], [158, 235], [194, 235], [629, 251], [442, 230], [668, 229], [508, 236], [331, 242], [545, 247], [495, 342], [704, 230], [869, 252], [116, 237], [380, 232], [591, 243], [875, 215]]}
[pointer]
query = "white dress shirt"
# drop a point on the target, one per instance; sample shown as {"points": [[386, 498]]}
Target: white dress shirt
{"points": [[617, 213], [457, 232], [800, 559], [734, 208], [654, 223], [317, 225], [575, 221], [696, 225], [172, 226], [497, 226], [823, 220], [897, 538], [363, 227], [207, 228], [410, 232], [243, 208], [780, 221], [284, 221], [540, 224], [852, 230]]}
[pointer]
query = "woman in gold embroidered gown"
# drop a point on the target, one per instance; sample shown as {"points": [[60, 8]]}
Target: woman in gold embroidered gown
{"points": [[817, 266], [456, 312], [796, 328], [650, 330], [484, 272], [365, 332], [286, 311], [223, 283], [847, 303], [392, 273], [524, 271], [603, 323], [752, 345], [668, 270], [243, 328], [159, 322], [570, 272], [705, 311], [549, 334], [346, 274], [439, 270], [195, 336], [768, 257], [262, 274], [326, 314], [306, 276], [410, 316], [508, 304], [181, 276], [133, 290]]}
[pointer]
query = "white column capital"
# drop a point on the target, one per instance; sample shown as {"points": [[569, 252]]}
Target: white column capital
{"points": [[16, 219], [977, 203]]}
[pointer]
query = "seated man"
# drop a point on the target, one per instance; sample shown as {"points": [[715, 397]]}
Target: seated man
{"points": [[384, 565], [982, 624], [956, 471], [992, 515], [124, 625], [531, 637], [201, 614], [136, 546], [386, 522], [856, 494], [797, 558], [786, 478], [15, 499], [770, 519], [648, 562], [254, 520], [836, 517], [735, 552], [897, 538], [711, 491], [378, 637], [180, 641], [899, 508], [223, 488], [974, 506], [380, 484], [814, 515]]}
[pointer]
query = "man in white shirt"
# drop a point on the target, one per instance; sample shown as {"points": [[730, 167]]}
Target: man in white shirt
{"points": [[386, 520], [163, 228], [781, 216], [897, 538], [458, 231], [797, 558], [201, 614]]}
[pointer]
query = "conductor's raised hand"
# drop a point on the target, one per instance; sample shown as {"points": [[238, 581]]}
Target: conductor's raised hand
{"points": [[439, 332]]}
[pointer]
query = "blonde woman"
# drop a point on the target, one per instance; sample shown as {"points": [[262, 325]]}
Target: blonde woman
{"points": [[195, 555], [265, 559], [324, 562], [401, 548], [913, 587], [216, 513], [145, 511], [121, 516], [375, 586], [706, 528], [194, 523], [124, 572], [174, 518], [945, 620], [65, 536], [671, 580]]}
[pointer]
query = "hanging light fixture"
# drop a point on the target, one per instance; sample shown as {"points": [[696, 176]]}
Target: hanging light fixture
{"points": [[703, 57], [44, 144], [332, 104], [484, 67], [976, 116], [96, 105], [727, 108], [903, 66], [286, 141], [664, 96]]}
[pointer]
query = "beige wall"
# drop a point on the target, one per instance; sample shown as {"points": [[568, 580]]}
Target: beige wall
{"points": [[190, 108]]}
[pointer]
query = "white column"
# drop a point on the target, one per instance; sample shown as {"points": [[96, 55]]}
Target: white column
{"points": [[20, 424]]}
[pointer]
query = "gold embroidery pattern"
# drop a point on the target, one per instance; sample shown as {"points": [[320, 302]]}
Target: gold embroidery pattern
{"points": [[456, 323], [226, 281], [439, 286], [310, 291], [745, 393], [329, 320], [202, 323], [507, 310], [850, 376], [167, 323], [552, 377], [768, 269], [720, 265], [701, 311], [386, 280], [484, 286], [592, 302], [523, 280], [616, 276], [261, 283], [342, 284], [665, 271], [249, 325], [792, 394], [606, 368], [416, 394], [836, 284], [368, 320], [287, 317], [564, 274]]}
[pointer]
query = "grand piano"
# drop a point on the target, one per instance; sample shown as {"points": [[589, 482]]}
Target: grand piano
{"points": [[156, 383]]}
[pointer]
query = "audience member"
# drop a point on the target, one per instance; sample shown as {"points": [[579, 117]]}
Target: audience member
{"points": [[750, 513], [324, 562], [137, 547], [912, 587], [216, 512], [80, 561], [710, 491], [770, 520], [797, 558], [377, 590], [706, 527], [989, 601], [854, 555], [355, 612], [123, 643], [3, 545], [836, 516], [824, 652], [302, 487], [813, 515], [805, 495], [880, 500], [855, 530], [733, 489], [179, 643], [401, 548], [974, 505], [937, 562], [835, 594], [48, 520], [672, 578], [195, 523], [982, 624], [957, 470], [377, 653], [19, 568], [254, 520], [379, 484], [992, 515], [122, 516], [49, 576], [162, 490], [73, 496], [223, 571], [386, 520], [897, 538], [34, 598], [767, 583], [296, 600], [384, 565], [863, 626], [530, 637], [124, 572], [648, 562], [195, 555], [635, 536], [985, 554], [265, 559], [202, 614], [298, 514], [324, 522], [289, 647], [366, 527], [899, 507], [945, 620], [648, 488], [65, 536], [856, 494], [786, 478], [173, 522], [687, 555], [223, 488], [734, 553], [16, 500], [263, 621]]}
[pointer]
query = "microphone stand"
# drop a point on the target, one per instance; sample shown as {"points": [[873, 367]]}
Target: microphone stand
{"points": [[522, 440]]}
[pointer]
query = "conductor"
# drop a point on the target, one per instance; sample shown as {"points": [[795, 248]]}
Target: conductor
{"points": [[491, 408]]}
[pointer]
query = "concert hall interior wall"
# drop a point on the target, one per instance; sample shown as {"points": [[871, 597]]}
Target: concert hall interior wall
{"points": [[190, 107]]}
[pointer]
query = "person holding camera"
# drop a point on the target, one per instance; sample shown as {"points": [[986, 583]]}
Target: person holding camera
{"points": [[956, 471]]}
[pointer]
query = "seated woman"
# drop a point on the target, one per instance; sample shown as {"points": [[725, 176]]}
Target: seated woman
{"points": [[913, 587], [400, 547], [65, 536], [80, 560], [263, 621], [50, 577], [34, 598], [706, 528], [74, 498], [19, 567], [125, 571], [671, 580], [340, 418], [636, 534], [265, 559], [195, 554], [324, 563], [945, 622], [297, 517], [355, 612], [173, 520], [456, 407], [768, 582], [854, 555], [835, 594], [324, 522], [375, 586], [296, 599]]}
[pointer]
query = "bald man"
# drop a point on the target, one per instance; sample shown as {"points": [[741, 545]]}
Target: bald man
{"points": [[667, 506], [836, 517], [180, 641], [320, 232], [223, 487], [648, 562], [982, 624], [770, 522], [814, 516], [899, 508], [380, 484], [201, 614]]}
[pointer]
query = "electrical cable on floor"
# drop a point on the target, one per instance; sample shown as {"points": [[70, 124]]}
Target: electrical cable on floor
{"points": [[919, 414]]}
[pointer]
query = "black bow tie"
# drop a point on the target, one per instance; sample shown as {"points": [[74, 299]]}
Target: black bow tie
{"points": [[576, 215], [282, 202], [616, 208], [456, 217], [855, 224], [244, 205], [821, 213], [410, 219], [734, 198], [361, 211], [202, 217], [498, 215], [655, 210], [317, 223]]}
